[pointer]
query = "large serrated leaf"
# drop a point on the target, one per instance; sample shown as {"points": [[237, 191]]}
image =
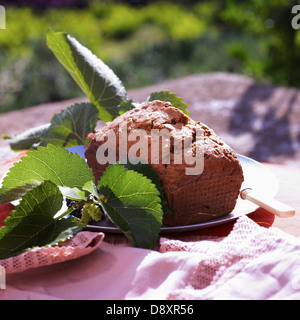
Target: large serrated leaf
{"points": [[32, 223], [46, 163], [169, 97], [133, 205], [71, 126], [93, 76]]}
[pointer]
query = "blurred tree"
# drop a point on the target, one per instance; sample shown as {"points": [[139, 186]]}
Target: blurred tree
{"points": [[271, 21]]}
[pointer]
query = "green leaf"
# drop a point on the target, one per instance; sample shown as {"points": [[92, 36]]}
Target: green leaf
{"points": [[73, 193], [46, 163], [32, 223], [133, 205], [94, 77], [127, 106], [26, 139], [91, 188], [146, 170], [169, 97], [71, 126], [18, 191]]}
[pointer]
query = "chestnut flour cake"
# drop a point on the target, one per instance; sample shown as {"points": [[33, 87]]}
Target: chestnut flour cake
{"points": [[193, 197]]}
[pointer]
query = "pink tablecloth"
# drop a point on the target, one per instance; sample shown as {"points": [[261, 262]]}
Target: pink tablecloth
{"points": [[251, 262]]}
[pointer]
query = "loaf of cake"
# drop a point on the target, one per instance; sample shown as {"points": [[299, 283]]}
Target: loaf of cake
{"points": [[192, 196]]}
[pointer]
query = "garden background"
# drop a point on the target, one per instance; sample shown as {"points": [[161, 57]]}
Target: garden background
{"points": [[145, 42]]}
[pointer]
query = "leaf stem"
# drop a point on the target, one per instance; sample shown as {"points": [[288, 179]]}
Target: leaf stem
{"points": [[70, 210]]}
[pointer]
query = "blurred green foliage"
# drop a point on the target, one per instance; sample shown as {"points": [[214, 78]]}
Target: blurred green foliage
{"points": [[149, 43]]}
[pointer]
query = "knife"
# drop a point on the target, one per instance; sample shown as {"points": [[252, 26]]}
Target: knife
{"points": [[272, 205]]}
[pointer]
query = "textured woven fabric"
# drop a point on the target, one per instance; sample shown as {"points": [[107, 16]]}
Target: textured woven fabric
{"points": [[81, 244], [228, 262]]}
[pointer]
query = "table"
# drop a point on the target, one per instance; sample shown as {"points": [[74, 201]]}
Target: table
{"points": [[121, 272]]}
